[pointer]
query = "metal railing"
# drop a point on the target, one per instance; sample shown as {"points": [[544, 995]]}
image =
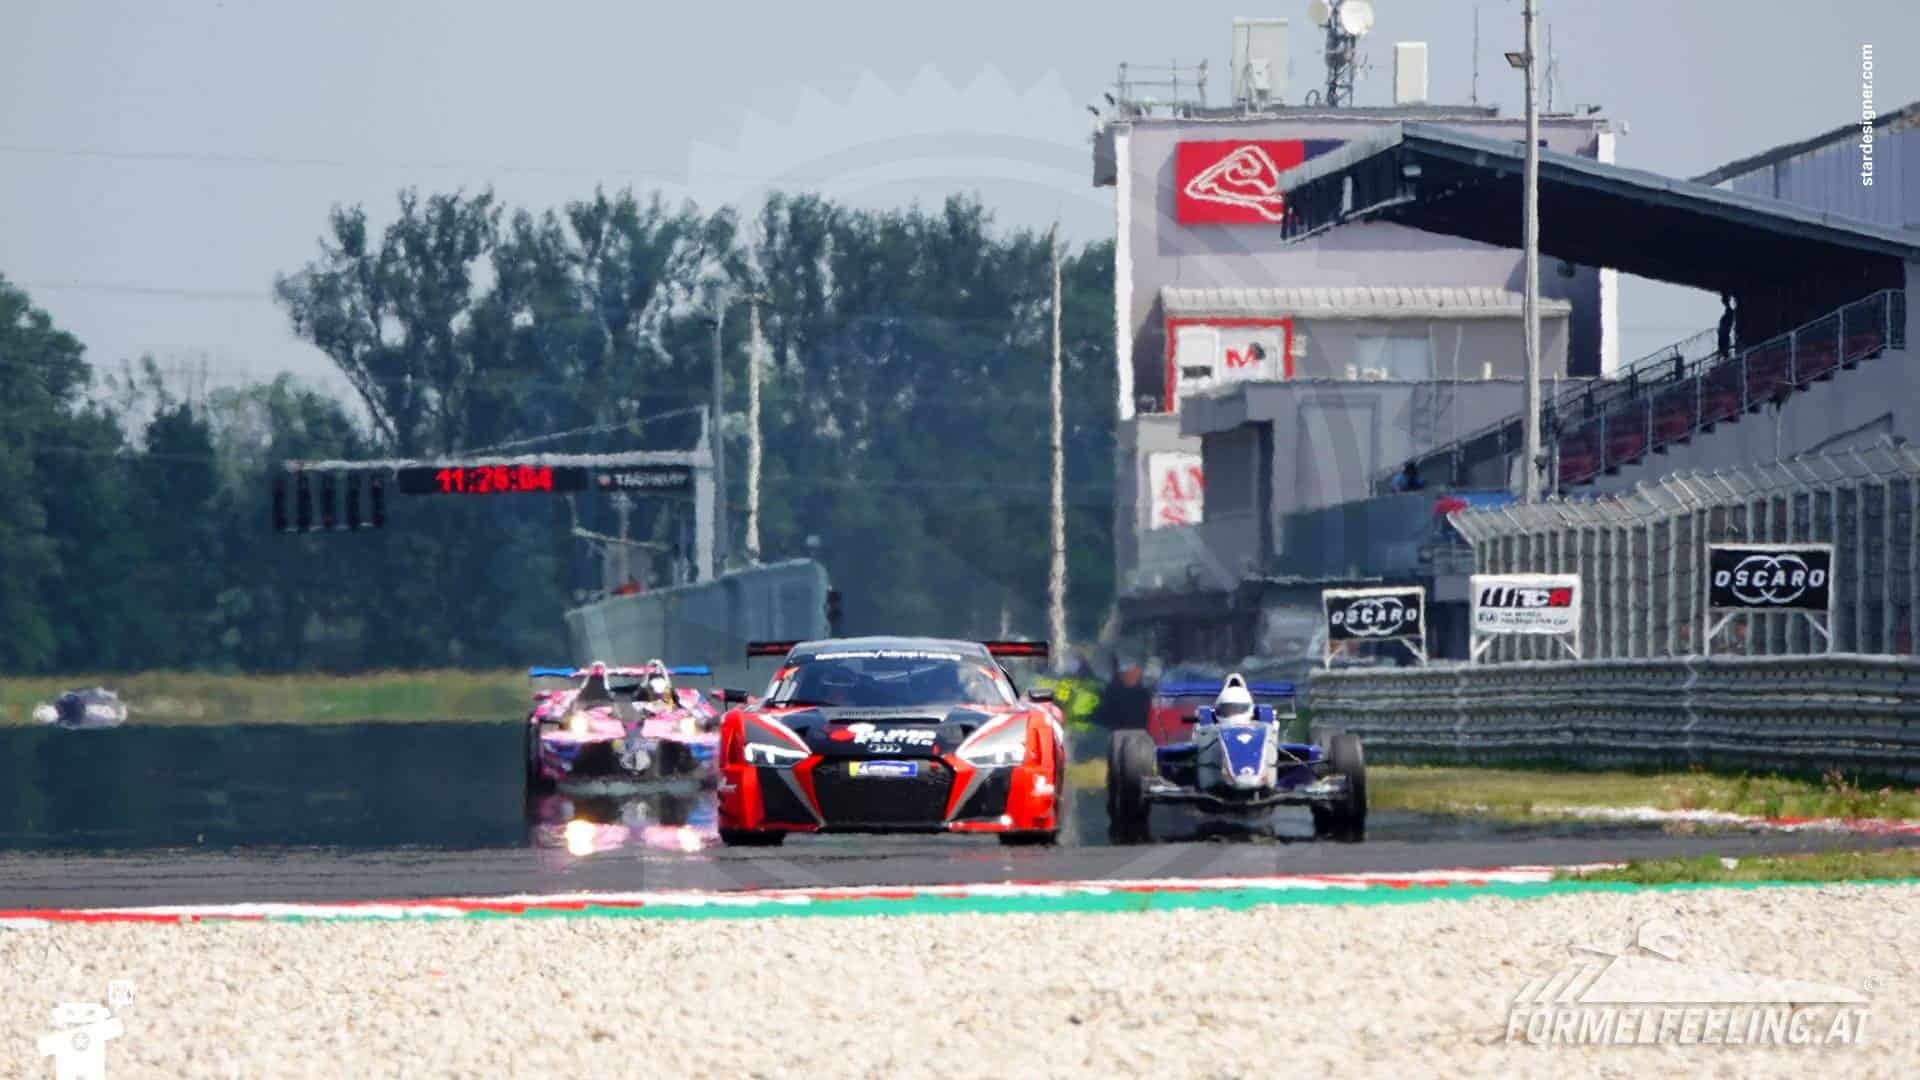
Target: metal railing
{"points": [[1671, 395], [1648, 409], [1809, 713]]}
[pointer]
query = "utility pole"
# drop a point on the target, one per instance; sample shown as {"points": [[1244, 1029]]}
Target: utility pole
{"points": [[718, 442], [753, 432], [623, 560], [1057, 570], [1530, 241], [1473, 95]]}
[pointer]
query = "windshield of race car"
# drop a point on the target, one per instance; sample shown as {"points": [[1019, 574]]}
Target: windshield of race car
{"points": [[890, 678]]}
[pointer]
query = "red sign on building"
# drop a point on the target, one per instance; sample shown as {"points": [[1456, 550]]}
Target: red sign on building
{"points": [[1237, 182]]}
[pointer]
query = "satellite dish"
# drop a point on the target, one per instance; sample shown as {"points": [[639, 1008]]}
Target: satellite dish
{"points": [[1356, 17], [1319, 12]]}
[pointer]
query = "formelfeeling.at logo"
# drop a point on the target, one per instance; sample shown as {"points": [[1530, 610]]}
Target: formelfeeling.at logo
{"points": [[1643, 995]]}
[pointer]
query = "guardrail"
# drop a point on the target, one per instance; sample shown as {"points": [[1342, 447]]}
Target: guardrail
{"points": [[1803, 713]]}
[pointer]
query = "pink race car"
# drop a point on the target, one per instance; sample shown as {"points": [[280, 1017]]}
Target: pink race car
{"points": [[618, 724]]}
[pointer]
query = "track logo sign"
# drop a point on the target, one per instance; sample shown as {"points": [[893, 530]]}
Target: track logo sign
{"points": [[1525, 603], [1374, 614], [1237, 181], [1770, 577]]}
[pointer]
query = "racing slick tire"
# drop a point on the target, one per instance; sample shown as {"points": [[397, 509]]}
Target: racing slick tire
{"points": [[1048, 837], [529, 746], [743, 838], [1322, 822], [1321, 736], [1131, 763], [1346, 818]]}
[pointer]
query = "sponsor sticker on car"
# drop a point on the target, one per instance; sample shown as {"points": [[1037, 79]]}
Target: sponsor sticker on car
{"points": [[888, 770]]}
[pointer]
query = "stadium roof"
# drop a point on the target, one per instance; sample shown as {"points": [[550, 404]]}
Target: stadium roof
{"points": [[1444, 180]]}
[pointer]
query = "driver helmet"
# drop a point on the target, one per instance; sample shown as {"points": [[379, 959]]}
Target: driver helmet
{"points": [[659, 687], [1235, 701]]}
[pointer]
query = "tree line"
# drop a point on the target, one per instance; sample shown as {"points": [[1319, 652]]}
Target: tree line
{"points": [[905, 411]]}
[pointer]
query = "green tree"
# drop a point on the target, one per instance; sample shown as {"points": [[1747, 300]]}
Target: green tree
{"points": [[41, 370]]}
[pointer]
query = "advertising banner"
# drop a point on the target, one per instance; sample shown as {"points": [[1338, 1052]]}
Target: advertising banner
{"points": [[1177, 489], [1770, 577], [1525, 604], [1236, 181], [1383, 614]]}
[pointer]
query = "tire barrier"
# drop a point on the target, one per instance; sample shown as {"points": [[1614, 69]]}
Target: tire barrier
{"points": [[1859, 713]]}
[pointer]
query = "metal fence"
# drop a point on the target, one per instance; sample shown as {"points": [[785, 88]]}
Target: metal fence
{"points": [[1809, 713], [1642, 555], [1671, 395]]}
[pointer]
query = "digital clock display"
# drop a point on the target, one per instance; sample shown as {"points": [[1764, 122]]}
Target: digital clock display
{"points": [[487, 479]]}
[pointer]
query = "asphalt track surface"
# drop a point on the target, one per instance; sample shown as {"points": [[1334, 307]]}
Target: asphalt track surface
{"points": [[1194, 849]]}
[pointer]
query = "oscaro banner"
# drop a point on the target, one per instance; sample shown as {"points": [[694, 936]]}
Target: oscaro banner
{"points": [[1375, 614], [1236, 181], [1526, 603], [1770, 577]]}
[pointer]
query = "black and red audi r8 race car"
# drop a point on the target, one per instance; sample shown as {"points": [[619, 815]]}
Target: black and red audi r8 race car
{"points": [[892, 734]]}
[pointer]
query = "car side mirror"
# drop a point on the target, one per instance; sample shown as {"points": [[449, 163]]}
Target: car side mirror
{"points": [[1040, 693], [1202, 715], [732, 697]]}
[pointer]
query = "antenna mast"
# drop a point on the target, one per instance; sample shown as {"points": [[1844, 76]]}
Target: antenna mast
{"points": [[1347, 21]]}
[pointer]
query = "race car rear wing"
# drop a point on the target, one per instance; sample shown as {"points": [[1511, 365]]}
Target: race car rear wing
{"points": [[1212, 689], [1036, 650], [688, 670]]}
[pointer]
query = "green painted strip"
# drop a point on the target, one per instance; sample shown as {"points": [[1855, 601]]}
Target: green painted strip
{"points": [[1125, 902]]}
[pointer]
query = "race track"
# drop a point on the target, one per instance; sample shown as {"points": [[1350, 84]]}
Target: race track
{"points": [[1401, 842], [397, 811]]}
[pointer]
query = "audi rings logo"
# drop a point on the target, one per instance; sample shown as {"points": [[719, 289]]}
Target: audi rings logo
{"points": [[1375, 616], [1770, 580]]}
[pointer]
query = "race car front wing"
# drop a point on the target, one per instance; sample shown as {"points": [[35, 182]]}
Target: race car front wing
{"points": [[1321, 791]]}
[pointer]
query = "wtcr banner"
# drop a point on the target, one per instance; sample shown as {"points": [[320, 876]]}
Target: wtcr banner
{"points": [[1525, 604]]}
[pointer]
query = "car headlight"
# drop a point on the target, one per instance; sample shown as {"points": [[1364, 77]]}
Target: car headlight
{"points": [[995, 747], [779, 757]]}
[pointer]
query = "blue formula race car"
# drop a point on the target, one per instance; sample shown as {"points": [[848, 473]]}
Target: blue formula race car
{"points": [[1234, 759]]}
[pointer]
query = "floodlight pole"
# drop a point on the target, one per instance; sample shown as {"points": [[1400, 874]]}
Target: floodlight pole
{"points": [[1530, 241], [718, 443], [753, 432], [1057, 566]]}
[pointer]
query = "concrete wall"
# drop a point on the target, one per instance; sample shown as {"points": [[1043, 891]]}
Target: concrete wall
{"points": [[1462, 348], [706, 623], [1137, 549], [1158, 251], [1275, 448]]}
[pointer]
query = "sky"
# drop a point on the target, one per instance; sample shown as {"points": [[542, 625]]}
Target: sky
{"points": [[161, 161]]}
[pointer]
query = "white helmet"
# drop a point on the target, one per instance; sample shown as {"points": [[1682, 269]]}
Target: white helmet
{"points": [[1235, 701]]}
